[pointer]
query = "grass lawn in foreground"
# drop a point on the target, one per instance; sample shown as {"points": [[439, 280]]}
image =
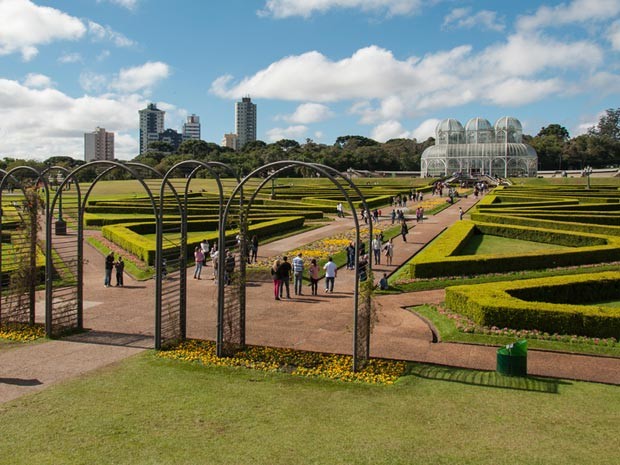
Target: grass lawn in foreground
{"points": [[148, 410]]}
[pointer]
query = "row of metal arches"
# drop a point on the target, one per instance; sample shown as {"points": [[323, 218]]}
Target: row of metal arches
{"points": [[42, 230]]}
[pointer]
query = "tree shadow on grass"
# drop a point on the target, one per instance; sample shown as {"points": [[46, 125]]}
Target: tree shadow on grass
{"points": [[485, 378]]}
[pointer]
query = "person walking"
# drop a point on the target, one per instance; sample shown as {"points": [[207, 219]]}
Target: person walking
{"points": [[350, 255], [285, 277], [215, 260], [109, 266], [229, 266], [376, 249], [362, 268], [205, 247], [331, 270], [298, 273], [275, 275], [254, 250], [404, 230], [120, 268], [460, 213], [199, 259], [313, 270], [389, 251]]}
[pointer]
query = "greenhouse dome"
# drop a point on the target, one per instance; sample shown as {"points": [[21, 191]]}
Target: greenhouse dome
{"points": [[479, 149]]}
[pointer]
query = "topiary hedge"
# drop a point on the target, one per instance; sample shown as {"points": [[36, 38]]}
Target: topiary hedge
{"points": [[563, 304], [440, 257], [129, 236]]}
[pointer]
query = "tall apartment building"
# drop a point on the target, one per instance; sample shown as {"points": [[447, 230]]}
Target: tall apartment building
{"points": [[151, 124], [98, 145], [245, 121], [231, 141], [172, 137], [191, 128]]}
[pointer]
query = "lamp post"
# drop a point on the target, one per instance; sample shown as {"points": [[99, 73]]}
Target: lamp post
{"points": [[588, 171], [273, 184], [61, 225]]}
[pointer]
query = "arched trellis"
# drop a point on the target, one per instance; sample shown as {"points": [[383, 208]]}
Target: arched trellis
{"points": [[179, 252], [20, 297], [66, 313], [227, 345]]}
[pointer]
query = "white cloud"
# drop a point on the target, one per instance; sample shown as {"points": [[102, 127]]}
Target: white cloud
{"points": [[426, 129], [106, 33], [129, 4], [140, 77], [93, 82], [305, 8], [70, 58], [388, 130], [24, 26], [577, 11], [514, 92], [613, 34], [38, 81], [61, 120], [307, 113], [465, 19], [291, 132]]}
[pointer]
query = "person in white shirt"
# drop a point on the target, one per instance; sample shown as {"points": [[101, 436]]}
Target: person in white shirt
{"points": [[330, 274], [298, 273], [376, 249]]}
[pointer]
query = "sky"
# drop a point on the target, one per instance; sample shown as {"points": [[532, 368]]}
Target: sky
{"points": [[316, 69]]}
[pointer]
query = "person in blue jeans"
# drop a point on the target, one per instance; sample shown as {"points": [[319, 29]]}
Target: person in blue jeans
{"points": [[330, 274], [298, 273]]}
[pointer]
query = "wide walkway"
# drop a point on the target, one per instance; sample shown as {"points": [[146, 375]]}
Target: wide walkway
{"points": [[122, 321]]}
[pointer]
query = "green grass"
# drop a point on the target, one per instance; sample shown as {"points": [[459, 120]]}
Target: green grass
{"points": [[613, 303], [486, 244], [449, 333], [151, 411]]}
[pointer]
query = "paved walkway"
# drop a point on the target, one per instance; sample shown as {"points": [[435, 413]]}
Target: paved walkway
{"points": [[122, 322]]}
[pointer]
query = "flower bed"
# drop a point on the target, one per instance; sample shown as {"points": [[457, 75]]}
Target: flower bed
{"points": [[20, 332], [295, 362]]}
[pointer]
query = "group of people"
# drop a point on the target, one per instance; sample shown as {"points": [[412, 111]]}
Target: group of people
{"points": [[203, 251], [282, 270], [110, 265]]}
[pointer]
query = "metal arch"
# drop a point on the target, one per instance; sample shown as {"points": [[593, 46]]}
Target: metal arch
{"points": [[72, 177], [49, 262], [356, 318], [10, 175], [197, 165], [288, 164]]}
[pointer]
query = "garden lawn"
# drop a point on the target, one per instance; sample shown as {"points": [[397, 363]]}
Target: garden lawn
{"points": [[486, 244], [148, 410]]}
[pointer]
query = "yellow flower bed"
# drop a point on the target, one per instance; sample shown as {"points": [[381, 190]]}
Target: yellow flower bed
{"points": [[21, 332], [298, 363]]}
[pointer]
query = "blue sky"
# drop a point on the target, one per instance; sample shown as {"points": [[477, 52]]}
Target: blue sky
{"points": [[316, 69]]}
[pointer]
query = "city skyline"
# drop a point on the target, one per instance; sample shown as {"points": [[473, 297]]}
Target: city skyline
{"points": [[318, 70]]}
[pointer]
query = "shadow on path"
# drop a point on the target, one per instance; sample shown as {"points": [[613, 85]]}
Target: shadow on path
{"points": [[20, 381], [138, 341]]}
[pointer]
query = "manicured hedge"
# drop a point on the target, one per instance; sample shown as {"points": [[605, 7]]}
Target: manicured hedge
{"points": [[440, 257], [562, 304], [130, 238]]}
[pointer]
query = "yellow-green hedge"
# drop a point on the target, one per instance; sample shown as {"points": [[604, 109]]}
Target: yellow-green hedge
{"points": [[440, 257], [562, 304]]}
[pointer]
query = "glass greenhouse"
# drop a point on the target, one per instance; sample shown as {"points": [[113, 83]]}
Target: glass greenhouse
{"points": [[479, 148]]}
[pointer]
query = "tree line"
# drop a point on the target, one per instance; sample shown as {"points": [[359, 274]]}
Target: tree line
{"points": [[599, 148]]}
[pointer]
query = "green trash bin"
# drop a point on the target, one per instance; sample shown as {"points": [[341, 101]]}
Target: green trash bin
{"points": [[512, 359]]}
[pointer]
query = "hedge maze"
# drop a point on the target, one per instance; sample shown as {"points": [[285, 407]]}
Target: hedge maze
{"points": [[587, 221]]}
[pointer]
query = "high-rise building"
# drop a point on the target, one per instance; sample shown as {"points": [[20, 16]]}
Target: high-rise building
{"points": [[231, 141], [98, 145], [171, 137], [191, 129], [245, 121], [151, 124]]}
